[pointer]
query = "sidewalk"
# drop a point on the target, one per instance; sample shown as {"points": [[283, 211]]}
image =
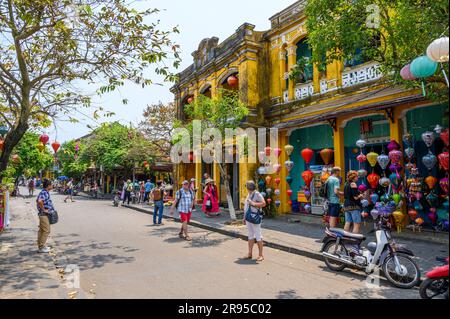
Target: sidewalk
{"points": [[25, 274], [302, 236]]}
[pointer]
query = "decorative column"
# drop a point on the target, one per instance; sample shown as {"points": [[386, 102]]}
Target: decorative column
{"points": [[198, 177], [284, 208], [292, 61], [216, 176], [282, 65], [339, 148]]}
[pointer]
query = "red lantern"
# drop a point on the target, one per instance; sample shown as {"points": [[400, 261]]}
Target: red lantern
{"points": [[269, 201], [268, 150], [44, 139], [290, 203], [56, 146], [444, 137], [277, 181], [191, 157], [232, 81], [308, 177], [2, 143], [361, 158], [190, 100], [327, 155], [307, 155], [289, 192], [145, 163], [373, 180], [413, 214], [443, 160]]}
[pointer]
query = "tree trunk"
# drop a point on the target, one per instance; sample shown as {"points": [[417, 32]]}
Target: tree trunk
{"points": [[231, 209], [12, 138]]}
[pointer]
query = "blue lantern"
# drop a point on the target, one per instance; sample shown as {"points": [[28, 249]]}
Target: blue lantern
{"points": [[423, 67]]}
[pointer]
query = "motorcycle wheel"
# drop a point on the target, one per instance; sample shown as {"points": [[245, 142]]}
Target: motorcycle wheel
{"points": [[433, 288], [332, 264], [412, 277]]}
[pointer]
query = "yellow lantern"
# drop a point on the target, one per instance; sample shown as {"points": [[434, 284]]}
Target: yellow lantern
{"points": [[289, 149], [40, 146], [398, 217], [372, 158]]}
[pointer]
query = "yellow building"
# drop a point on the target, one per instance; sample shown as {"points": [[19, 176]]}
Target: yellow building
{"points": [[330, 109]]}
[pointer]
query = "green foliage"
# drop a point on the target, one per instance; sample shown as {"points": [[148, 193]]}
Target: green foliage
{"points": [[71, 162], [300, 71], [338, 29]]}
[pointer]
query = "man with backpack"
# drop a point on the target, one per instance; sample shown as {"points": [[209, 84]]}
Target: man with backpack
{"points": [[184, 202], [158, 200], [128, 189]]}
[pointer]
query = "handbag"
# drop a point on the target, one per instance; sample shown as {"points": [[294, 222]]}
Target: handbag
{"points": [[253, 217], [53, 217], [208, 204]]}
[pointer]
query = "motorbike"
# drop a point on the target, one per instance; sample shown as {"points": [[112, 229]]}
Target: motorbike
{"points": [[436, 284], [116, 200], [342, 249]]}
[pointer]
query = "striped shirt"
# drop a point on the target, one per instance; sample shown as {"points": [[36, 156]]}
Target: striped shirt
{"points": [[185, 200]]}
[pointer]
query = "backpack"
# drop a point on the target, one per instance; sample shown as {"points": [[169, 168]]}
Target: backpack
{"points": [[130, 187], [157, 194], [323, 191]]}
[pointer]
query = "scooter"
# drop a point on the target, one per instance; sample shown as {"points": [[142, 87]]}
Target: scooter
{"points": [[342, 249], [116, 200], [436, 283]]}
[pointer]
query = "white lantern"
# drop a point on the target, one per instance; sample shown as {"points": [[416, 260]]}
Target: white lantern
{"points": [[438, 50]]}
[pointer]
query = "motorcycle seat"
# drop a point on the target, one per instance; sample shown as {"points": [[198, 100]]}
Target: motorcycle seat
{"points": [[347, 234]]}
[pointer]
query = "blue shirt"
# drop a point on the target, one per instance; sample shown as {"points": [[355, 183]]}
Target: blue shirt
{"points": [[333, 184], [45, 197], [149, 186]]}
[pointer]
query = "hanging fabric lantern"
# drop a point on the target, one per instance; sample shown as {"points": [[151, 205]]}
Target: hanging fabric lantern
{"points": [[361, 158], [327, 155], [361, 143], [410, 153], [362, 173], [289, 165], [438, 50], [40, 146], [423, 67], [428, 138], [308, 177], [15, 159], [444, 137], [324, 177], [262, 157], [443, 160], [2, 143], [277, 152], [373, 180], [277, 168], [307, 194], [268, 180], [289, 192], [429, 161], [262, 170], [56, 146], [44, 139], [290, 203], [444, 185], [420, 221], [232, 81], [269, 191], [268, 150], [190, 100], [431, 181], [372, 157], [406, 74], [398, 217], [261, 184], [269, 201], [277, 192], [374, 198], [395, 156], [362, 188], [383, 161], [432, 217], [393, 145], [289, 180], [394, 179], [277, 181], [289, 149], [307, 155], [408, 139], [413, 214], [277, 204], [395, 168]]}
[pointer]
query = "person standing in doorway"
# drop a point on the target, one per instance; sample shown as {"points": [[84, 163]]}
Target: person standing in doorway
{"points": [[184, 201], [158, 200], [334, 193], [69, 188], [44, 207]]}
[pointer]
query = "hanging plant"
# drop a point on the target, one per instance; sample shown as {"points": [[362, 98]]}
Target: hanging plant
{"points": [[300, 72]]}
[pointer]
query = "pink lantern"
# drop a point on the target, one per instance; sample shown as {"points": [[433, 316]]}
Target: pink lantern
{"points": [[395, 156], [277, 152], [393, 145], [361, 158], [44, 139], [406, 74]]}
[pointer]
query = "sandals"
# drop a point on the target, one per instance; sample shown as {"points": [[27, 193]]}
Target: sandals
{"points": [[247, 257], [181, 235], [260, 258], [187, 238]]}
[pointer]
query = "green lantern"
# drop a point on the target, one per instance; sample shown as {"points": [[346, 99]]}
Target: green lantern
{"points": [[423, 67]]}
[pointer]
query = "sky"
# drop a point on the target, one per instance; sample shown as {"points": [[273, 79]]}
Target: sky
{"points": [[196, 19]]}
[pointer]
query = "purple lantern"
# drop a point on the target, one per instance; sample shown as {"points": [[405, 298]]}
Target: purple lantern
{"points": [[406, 74], [393, 146], [395, 156], [362, 188], [395, 168]]}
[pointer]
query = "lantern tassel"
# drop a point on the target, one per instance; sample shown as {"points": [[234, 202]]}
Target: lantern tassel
{"points": [[445, 75], [423, 89]]}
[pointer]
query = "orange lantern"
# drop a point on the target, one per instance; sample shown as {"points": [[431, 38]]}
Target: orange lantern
{"points": [[56, 146], [232, 81], [420, 221], [373, 180], [308, 177], [190, 100], [431, 181], [2, 143], [268, 180], [327, 155], [413, 214], [307, 155], [325, 177]]}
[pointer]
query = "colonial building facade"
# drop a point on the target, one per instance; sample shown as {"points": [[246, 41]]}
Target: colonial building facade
{"points": [[329, 109]]}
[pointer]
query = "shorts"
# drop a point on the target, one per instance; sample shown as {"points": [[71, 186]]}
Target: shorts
{"points": [[353, 216], [185, 217], [334, 210], [254, 232]]}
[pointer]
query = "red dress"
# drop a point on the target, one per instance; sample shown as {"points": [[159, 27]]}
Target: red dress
{"points": [[211, 194]]}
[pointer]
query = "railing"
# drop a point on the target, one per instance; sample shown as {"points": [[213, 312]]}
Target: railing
{"points": [[304, 91], [361, 74]]}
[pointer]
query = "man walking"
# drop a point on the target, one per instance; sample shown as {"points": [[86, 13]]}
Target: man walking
{"points": [[184, 202], [31, 184], [148, 188], [69, 188], [334, 193], [128, 189], [44, 207], [158, 200]]}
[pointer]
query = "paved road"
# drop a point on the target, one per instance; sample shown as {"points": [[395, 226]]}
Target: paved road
{"points": [[121, 255]]}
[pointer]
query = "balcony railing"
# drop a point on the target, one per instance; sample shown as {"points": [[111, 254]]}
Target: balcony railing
{"points": [[304, 91]]}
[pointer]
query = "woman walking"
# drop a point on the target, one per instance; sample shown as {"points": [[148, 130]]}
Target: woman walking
{"points": [[253, 219], [352, 204], [210, 199]]}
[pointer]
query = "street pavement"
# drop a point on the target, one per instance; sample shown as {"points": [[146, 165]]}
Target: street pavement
{"points": [[120, 254]]}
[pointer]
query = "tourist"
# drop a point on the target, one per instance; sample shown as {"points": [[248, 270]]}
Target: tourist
{"points": [[184, 201], [44, 207], [210, 199], [333, 194], [31, 184], [141, 192], [253, 219], [148, 188], [204, 178], [128, 188], [352, 204], [158, 200], [69, 188]]}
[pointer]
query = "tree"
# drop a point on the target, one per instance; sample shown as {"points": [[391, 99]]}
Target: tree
{"points": [[72, 164], [226, 111], [49, 47], [392, 33]]}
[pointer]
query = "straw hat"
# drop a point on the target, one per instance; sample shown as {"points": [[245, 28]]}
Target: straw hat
{"points": [[208, 181]]}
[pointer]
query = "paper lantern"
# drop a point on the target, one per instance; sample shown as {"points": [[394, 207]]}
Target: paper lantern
{"points": [[429, 161], [410, 153], [375, 213], [56, 146], [361, 143], [362, 188], [437, 51], [443, 160], [289, 180], [365, 203], [423, 67], [393, 145], [277, 152], [373, 180], [413, 214], [428, 138], [420, 221], [277, 192], [444, 185], [408, 139], [277, 168], [261, 184], [385, 182], [432, 217], [262, 170], [269, 191], [190, 100], [289, 149], [431, 181], [308, 177], [361, 158], [268, 180], [327, 155], [444, 137], [290, 203], [325, 177], [406, 74], [308, 208], [383, 161], [277, 204], [44, 139], [395, 168], [364, 215], [269, 201], [398, 217], [372, 157], [395, 156], [15, 159], [374, 198], [289, 165], [362, 173], [395, 180], [264, 194], [277, 181], [307, 155], [262, 157], [397, 198], [40, 146], [289, 192], [2, 143], [268, 150], [308, 194], [232, 81]]}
